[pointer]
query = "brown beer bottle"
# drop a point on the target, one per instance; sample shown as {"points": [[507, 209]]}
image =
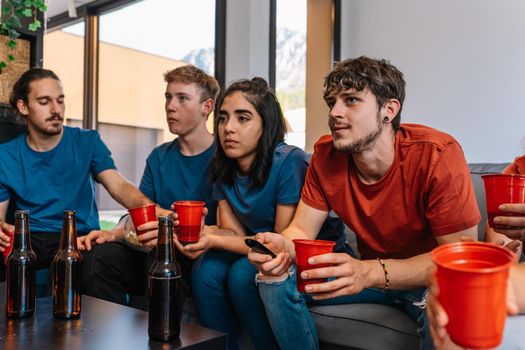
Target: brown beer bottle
{"points": [[164, 287], [66, 270], [21, 271]]}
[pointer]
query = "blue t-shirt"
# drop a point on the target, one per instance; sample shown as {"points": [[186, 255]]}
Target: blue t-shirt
{"points": [[170, 176], [255, 207], [47, 183]]}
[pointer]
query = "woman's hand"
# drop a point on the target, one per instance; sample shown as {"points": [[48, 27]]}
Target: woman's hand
{"points": [[194, 250], [263, 262]]}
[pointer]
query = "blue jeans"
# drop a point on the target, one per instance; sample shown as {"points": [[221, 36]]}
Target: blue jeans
{"points": [[293, 326], [226, 297]]}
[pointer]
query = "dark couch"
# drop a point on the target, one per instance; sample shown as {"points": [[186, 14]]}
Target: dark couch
{"points": [[372, 326]]}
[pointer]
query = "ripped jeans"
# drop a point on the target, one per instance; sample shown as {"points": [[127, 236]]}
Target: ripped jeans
{"points": [[293, 326]]}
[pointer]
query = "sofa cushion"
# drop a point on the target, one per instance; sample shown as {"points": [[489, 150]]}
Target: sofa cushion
{"points": [[364, 326]]}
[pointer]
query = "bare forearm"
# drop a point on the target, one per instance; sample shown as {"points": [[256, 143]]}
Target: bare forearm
{"points": [[129, 196], [229, 242], [402, 273], [294, 232]]}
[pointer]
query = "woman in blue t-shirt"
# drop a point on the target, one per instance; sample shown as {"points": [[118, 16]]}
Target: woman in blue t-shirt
{"points": [[258, 180]]}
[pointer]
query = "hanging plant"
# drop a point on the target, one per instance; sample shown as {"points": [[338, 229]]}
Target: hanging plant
{"points": [[16, 15]]}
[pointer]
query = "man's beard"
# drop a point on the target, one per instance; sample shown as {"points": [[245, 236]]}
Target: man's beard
{"points": [[364, 143], [46, 130]]}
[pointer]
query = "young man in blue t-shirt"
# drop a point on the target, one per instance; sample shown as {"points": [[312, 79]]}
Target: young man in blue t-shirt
{"points": [[52, 168], [179, 169]]}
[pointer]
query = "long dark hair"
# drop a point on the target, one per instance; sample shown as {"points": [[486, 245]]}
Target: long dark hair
{"points": [[259, 95]]}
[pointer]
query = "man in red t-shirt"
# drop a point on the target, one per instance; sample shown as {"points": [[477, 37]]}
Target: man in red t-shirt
{"points": [[403, 189]]}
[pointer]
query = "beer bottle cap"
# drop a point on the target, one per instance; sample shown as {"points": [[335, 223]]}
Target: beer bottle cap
{"points": [[165, 220], [21, 213]]}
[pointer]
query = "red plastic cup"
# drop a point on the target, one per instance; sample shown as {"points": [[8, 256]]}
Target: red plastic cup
{"points": [[502, 189], [472, 279], [7, 250], [143, 214], [304, 250], [190, 216]]}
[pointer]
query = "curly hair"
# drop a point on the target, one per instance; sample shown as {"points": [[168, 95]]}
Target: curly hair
{"points": [[377, 75], [259, 95]]}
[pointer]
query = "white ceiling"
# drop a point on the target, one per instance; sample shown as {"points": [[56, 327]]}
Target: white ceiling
{"points": [[56, 7]]}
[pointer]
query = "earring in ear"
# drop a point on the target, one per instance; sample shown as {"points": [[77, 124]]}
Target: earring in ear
{"points": [[385, 120]]}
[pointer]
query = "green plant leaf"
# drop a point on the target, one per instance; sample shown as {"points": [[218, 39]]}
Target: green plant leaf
{"points": [[13, 21], [7, 9], [2, 65], [35, 25], [11, 58], [40, 5], [11, 44], [27, 13], [12, 34], [28, 3]]}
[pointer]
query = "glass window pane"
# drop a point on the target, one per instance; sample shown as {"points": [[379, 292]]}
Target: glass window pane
{"points": [[290, 64], [138, 44], [64, 54]]}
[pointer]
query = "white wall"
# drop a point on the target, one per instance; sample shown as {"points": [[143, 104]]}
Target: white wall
{"points": [[463, 60]]}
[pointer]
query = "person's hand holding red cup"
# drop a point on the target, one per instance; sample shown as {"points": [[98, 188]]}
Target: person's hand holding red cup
{"points": [[304, 250], [141, 215], [189, 214], [503, 189], [472, 279]]}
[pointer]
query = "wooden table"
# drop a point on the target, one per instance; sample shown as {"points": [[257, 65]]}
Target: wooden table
{"points": [[102, 325]]}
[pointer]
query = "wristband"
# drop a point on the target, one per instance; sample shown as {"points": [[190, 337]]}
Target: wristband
{"points": [[387, 281]]}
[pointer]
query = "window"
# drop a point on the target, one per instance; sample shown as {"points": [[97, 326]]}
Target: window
{"points": [[133, 59], [290, 63]]}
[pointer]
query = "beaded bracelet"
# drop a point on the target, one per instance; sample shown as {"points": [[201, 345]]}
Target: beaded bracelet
{"points": [[387, 281]]}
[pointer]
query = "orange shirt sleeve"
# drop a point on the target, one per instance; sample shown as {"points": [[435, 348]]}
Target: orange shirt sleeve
{"points": [[312, 193]]}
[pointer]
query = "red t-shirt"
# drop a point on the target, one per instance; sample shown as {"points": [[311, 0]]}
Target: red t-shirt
{"points": [[518, 167], [427, 192]]}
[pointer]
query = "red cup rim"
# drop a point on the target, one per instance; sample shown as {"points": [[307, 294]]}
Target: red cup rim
{"points": [[480, 246], [190, 203], [315, 242], [503, 175], [141, 207]]}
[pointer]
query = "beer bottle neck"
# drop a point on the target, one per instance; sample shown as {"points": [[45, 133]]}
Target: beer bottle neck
{"points": [[22, 233], [68, 240], [165, 244]]}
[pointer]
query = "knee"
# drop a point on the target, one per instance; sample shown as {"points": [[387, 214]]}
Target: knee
{"points": [[241, 278], [207, 273], [274, 291], [103, 259]]}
